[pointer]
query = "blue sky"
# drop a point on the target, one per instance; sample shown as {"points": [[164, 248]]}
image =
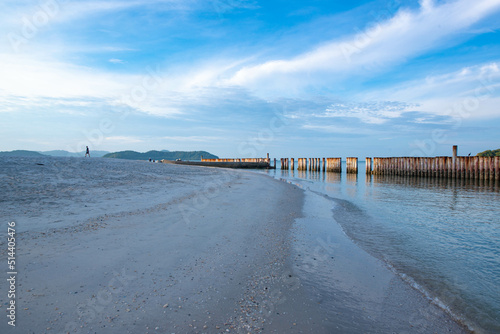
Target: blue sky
{"points": [[243, 78]]}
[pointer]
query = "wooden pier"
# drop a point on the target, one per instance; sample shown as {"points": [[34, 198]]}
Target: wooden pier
{"points": [[480, 168], [454, 167], [457, 167]]}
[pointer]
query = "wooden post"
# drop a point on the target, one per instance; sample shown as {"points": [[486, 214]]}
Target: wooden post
{"points": [[368, 162], [352, 165], [481, 168], [455, 153], [462, 167], [497, 169], [441, 167], [491, 171], [476, 168]]}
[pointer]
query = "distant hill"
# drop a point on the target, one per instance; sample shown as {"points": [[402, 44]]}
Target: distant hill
{"points": [[159, 155], [61, 153], [489, 153], [21, 153], [55, 153]]}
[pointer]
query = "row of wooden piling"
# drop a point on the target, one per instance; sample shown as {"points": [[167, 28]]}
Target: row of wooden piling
{"points": [[238, 160], [314, 164], [483, 168]]}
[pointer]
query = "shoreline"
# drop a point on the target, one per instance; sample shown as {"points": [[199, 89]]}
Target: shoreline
{"points": [[191, 264], [357, 290], [217, 252]]}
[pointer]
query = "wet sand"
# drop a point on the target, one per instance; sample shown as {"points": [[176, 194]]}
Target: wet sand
{"points": [[176, 249]]}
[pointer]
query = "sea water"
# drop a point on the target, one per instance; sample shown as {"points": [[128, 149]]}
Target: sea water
{"points": [[442, 236]]}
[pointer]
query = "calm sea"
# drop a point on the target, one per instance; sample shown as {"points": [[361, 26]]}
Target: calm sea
{"points": [[442, 236]]}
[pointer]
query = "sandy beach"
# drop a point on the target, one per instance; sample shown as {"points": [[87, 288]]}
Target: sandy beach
{"points": [[106, 246]]}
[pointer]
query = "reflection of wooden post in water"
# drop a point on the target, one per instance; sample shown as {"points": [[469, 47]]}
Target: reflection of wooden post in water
{"points": [[352, 177], [333, 177]]}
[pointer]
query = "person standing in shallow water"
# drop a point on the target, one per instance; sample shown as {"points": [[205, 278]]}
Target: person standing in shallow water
{"points": [[87, 152]]}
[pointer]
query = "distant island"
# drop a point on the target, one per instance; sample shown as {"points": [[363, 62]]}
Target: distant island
{"points": [[55, 153], [21, 153], [130, 155], [61, 153], [489, 153], [160, 155]]}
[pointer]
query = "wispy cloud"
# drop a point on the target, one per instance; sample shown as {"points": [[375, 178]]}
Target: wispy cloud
{"points": [[473, 91], [123, 139], [406, 35], [368, 112]]}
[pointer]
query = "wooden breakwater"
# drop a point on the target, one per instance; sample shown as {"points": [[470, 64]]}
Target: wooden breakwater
{"points": [[459, 167], [223, 164], [313, 164], [480, 168], [257, 163]]}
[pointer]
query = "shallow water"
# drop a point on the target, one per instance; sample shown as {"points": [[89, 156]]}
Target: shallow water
{"points": [[442, 236], [52, 192]]}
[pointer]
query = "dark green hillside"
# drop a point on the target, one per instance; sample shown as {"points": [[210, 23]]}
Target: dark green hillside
{"points": [[489, 153]]}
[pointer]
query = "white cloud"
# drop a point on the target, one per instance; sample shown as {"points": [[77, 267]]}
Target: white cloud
{"points": [[122, 140], [407, 34], [368, 112], [116, 61], [472, 91], [196, 139], [336, 129]]}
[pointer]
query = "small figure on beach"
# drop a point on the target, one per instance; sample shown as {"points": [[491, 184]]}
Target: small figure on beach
{"points": [[87, 152]]}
